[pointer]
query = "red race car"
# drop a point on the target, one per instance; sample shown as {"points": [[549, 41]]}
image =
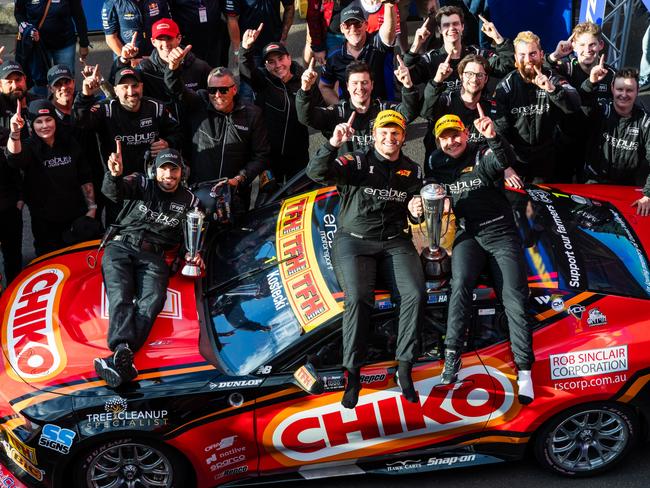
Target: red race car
{"points": [[240, 380]]}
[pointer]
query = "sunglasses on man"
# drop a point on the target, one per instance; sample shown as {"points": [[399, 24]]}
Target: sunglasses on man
{"points": [[212, 90]]}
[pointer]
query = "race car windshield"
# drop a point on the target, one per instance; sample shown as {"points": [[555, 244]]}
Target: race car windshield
{"points": [[572, 242], [271, 280]]}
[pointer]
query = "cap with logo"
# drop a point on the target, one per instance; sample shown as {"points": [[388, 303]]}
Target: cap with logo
{"points": [[58, 72], [9, 67], [389, 117], [273, 47], [126, 73], [169, 156], [352, 12], [39, 108], [448, 122], [164, 27]]}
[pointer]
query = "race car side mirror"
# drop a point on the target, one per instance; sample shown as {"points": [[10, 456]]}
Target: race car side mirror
{"points": [[306, 378]]}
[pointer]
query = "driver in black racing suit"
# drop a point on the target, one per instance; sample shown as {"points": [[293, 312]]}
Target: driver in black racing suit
{"points": [[486, 230], [376, 186]]}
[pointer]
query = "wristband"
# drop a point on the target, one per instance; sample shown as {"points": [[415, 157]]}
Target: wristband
{"points": [[17, 138], [92, 207]]}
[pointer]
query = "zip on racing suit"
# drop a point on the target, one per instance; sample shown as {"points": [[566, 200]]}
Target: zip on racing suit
{"points": [[374, 197], [486, 231]]}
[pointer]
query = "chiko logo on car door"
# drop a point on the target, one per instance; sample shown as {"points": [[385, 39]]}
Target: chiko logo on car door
{"points": [[31, 328], [384, 421]]}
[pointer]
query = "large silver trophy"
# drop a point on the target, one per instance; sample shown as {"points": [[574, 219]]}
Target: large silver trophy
{"points": [[194, 232], [435, 260]]}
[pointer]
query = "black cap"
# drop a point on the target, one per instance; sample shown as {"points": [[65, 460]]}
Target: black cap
{"points": [[169, 156], [38, 108], [58, 72], [126, 73], [352, 12], [9, 67], [273, 47]]}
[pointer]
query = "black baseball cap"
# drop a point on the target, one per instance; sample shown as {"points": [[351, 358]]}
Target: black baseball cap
{"points": [[169, 156], [58, 72], [127, 72], [39, 108], [352, 12], [9, 67], [273, 47]]}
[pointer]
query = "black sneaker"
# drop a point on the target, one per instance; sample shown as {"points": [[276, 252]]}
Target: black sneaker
{"points": [[451, 367], [106, 370], [123, 362]]}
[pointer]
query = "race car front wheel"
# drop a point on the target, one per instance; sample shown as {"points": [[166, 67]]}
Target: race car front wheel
{"points": [[587, 439], [129, 462]]}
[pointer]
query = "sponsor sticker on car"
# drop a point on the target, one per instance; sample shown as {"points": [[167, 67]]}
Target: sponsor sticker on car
{"points": [[589, 363]]}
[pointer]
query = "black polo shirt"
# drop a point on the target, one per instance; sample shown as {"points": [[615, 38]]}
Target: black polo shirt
{"points": [[374, 53]]}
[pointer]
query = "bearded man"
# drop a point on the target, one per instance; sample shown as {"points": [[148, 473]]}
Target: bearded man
{"points": [[530, 102]]}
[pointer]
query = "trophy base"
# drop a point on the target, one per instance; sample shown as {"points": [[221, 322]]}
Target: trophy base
{"points": [[436, 264], [191, 270]]}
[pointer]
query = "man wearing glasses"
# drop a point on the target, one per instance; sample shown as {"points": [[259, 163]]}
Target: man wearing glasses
{"points": [[530, 102], [225, 136]]}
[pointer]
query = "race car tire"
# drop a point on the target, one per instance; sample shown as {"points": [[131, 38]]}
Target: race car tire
{"points": [[120, 461], [587, 439]]}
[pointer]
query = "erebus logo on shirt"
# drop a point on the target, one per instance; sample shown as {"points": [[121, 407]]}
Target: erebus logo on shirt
{"points": [[158, 217], [619, 143], [57, 161], [146, 138], [531, 109], [387, 194], [462, 186]]}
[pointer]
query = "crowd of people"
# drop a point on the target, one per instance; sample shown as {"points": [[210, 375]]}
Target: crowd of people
{"points": [[176, 112]]}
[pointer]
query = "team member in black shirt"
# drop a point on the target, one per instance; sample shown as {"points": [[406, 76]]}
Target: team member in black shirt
{"points": [[375, 186], [57, 177], [619, 147], [135, 263], [486, 232]]}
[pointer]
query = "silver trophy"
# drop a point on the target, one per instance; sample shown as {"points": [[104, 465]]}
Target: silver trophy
{"points": [[194, 231], [435, 260]]}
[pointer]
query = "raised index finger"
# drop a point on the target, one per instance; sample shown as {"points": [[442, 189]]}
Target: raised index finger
{"points": [[483, 19], [118, 146], [571, 37], [537, 70], [95, 70], [400, 61], [602, 61], [135, 36], [448, 58], [2, 50], [260, 27], [311, 64], [351, 119], [425, 24], [481, 114], [18, 108]]}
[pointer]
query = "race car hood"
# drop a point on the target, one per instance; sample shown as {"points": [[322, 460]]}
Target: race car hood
{"points": [[55, 321], [622, 198]]}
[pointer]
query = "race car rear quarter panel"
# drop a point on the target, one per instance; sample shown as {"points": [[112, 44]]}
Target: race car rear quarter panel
{"points": [[55, 322]]}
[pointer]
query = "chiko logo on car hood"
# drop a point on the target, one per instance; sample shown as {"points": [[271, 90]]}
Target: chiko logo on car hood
{"points": [[31, 326], [383, 420]]}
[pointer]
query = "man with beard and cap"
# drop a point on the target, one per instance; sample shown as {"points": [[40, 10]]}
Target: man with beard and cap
{"points": [[359, 83], [574, 60], [165, 37], [486, 232], [373, 49], [530, 102], [13, 87], [450, 22], [136, 262], [226, 137], [376, 186], [143, 124], [618, 151], [275, 86], [58, 182]]}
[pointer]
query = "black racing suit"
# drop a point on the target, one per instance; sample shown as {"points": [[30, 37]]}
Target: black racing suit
{"points": [[325, 119], [528, 116], [136, 130], [134, 265], [486, 231], [618, 151], [370, 238]]}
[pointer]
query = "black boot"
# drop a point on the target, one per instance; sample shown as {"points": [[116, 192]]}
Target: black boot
{"points": [[352, 389], [451, 367], [405, 382]]}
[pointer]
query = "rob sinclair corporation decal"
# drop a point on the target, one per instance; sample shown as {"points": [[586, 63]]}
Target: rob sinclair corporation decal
{"points": [[589, 363]]}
